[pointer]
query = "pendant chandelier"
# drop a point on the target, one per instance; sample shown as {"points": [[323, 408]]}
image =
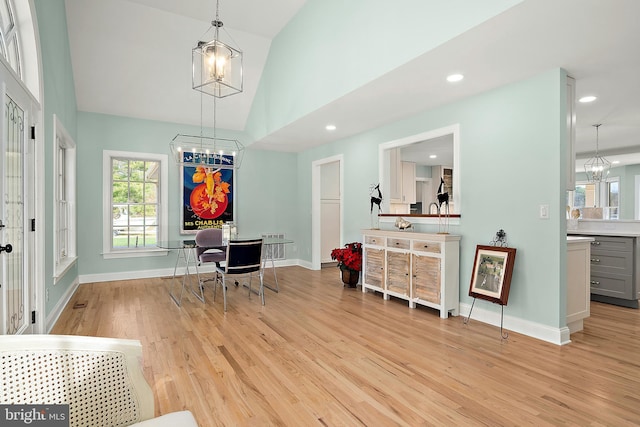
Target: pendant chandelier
{"points": [[597, 168], [217, 71], [217, 65]]}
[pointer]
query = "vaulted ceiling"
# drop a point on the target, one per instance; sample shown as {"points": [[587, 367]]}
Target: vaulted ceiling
{"points": [[132, 58]]}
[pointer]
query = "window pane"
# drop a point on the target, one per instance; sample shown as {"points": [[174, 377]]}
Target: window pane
{"points": [[120, 169], [136, 192], [120, 192], [137, 171], [613, 194], [150, 192]]}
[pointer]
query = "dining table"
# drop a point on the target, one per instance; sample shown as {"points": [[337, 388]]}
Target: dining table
{"points": [[186, 255]]}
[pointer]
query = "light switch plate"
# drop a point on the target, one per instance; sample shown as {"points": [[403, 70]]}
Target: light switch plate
{"points": [[544, 211]]}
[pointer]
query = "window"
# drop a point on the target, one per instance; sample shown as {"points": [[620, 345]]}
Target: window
{"points": [[612, 198], [135, 203], [64, 169], [595, 195], [584, 196], [9, 41]]}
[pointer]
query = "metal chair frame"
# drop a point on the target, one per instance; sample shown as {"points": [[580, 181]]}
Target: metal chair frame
{"points": [[243, 258]]}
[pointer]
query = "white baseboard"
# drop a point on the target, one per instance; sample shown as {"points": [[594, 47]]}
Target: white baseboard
{"points": [[558, 336], [165, 272], [53, 316]]}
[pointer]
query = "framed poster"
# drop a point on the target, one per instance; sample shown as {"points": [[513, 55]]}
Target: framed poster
{"points": [[207, 190], [492, 270]]}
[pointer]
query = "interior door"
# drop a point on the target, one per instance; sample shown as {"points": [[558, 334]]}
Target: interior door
{"points": [[16, 292], [329, 209]]}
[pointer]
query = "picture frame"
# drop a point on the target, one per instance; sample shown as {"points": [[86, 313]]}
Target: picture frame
{"points": [[492, 271], [195, 216]]}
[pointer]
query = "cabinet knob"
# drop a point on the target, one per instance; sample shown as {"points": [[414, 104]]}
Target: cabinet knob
{"points": [[595, 283], [595, 260]]}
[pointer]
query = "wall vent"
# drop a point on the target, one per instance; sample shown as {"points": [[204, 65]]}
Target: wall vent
{"points": [[274, 252]]}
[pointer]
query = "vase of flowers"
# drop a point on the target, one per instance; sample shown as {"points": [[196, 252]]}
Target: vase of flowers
{"points": [[349, 262]]}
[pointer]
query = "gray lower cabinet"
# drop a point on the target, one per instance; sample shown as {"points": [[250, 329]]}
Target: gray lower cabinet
{"points": [[614, 270]]}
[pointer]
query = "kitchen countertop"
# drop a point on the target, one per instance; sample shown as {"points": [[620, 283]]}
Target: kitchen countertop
{"points": [[577, 239], [602, 233]]}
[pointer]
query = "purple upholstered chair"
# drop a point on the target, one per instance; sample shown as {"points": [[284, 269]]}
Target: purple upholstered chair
{"points": [[209, 248]]}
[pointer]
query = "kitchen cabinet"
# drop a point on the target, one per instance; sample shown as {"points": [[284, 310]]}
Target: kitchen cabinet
{"points": [[420, 268], [402, 179], [578, 281], [614, 270]]}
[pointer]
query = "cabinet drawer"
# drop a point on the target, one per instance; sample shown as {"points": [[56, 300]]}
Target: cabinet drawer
{"points": [[611, 243], [398, 272], [612, 262], [398, 243], [426, 278], [374, 240], [374, 267], [612, 285], [424, 246]]}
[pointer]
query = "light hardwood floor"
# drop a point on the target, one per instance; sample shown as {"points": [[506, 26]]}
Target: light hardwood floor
{"points": [[320, 354]]}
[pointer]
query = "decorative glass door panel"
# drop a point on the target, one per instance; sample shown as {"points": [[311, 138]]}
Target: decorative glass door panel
{"points": [[15, 295]]}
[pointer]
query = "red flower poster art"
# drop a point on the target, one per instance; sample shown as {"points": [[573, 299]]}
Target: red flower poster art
{"points": [[207, 197]]}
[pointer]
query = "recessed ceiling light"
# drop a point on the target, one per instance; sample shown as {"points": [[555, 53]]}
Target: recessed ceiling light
{"points": [[615, 162], [588, 98], [330, 127], [432, 156], [452, 78]]}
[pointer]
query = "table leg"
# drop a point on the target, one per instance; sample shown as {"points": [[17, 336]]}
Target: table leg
{"points": [[173, 280], [190, 254], [186, 254], [273, 267]]}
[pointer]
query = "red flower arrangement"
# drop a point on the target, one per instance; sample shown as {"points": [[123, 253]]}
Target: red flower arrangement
{"points": [[349, 257]]}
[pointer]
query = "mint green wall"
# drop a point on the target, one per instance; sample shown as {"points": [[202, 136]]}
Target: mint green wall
{"points": [[59, 99], [506, 134], [265, 185], [332, 47]]}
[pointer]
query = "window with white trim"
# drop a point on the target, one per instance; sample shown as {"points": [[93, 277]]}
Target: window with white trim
{"points": [[135, 211], [64, 212], [605, 194], [9, 37], [611, 197]]}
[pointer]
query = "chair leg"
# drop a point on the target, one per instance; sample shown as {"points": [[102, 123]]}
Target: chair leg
{"points": [[261, 286], [224, 292]]}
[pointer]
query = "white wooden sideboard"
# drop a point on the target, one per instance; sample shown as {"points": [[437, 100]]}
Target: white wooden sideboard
{"points": [[421, 268]]}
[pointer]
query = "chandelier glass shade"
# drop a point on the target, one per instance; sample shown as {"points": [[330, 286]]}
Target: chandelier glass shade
{"points": [[597, 167], [210, 152]]}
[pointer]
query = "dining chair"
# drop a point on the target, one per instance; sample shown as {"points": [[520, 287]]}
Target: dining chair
{"points": [[243, 258], [209, 249]]}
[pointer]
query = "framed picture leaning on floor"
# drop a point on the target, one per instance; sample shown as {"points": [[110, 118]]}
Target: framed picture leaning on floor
{"points": [[492, 270]]}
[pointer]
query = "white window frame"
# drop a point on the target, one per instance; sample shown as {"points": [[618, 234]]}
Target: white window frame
{"points": [[64, 182], [163, 212]]}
